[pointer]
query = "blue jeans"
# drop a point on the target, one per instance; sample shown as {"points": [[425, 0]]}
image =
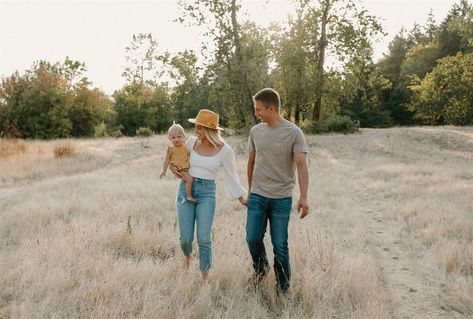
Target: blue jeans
{"points": [[277, 211], [200, 212]]}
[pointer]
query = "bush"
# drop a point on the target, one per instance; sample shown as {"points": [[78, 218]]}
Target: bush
{"points": [[117, 133], [64, 150], [336, 123], [11, 147], [144, 131], [101, 130]]}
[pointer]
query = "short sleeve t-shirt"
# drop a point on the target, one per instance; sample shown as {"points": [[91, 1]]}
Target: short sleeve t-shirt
{"points": [[274, 170]]}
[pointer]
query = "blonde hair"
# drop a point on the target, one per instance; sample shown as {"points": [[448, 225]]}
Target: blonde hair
{"points": [[176, 127], [213, 136]]}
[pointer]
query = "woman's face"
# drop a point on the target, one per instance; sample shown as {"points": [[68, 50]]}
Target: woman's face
{"points": [[199, 132]]}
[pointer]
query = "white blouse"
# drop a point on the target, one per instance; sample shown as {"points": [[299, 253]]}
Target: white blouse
{"points": [[207, 167]]}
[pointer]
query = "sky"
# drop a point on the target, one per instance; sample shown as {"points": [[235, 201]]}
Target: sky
{"points": [[97, 32]]}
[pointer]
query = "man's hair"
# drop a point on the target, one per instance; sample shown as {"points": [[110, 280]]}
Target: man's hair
{"points": [[269, 97]]}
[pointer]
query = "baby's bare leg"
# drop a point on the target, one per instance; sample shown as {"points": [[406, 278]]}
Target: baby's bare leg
{"points": [[188, 178]]}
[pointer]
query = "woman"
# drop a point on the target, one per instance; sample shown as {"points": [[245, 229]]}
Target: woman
{"points": [[208, 153]]}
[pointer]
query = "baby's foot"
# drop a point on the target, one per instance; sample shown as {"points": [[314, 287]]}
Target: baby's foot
{"points": [[191, 199]]}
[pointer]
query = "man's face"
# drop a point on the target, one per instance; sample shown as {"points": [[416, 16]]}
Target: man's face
{"points": [[261, 111]]}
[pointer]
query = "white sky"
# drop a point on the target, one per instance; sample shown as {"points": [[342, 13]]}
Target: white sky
{"points": [[97, 32]]}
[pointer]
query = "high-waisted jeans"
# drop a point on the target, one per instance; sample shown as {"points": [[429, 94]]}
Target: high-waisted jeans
{"points": [[277, 211], [200, 212]]}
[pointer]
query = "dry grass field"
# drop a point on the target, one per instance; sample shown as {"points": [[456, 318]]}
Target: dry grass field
{"points": [[88, 230]]}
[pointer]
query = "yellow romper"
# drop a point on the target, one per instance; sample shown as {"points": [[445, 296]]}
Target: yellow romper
{"points": [[179, 157]]}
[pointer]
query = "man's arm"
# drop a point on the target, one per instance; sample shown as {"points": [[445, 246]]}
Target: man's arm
{"points": [[249, 168], [303, 178]]}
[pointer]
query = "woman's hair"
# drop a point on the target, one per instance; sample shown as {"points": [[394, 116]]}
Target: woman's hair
{"points": [[176, 128], [213, 136]]}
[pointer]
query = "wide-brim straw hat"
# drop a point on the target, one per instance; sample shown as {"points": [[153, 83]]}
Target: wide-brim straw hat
{"points": [[208, 119]]}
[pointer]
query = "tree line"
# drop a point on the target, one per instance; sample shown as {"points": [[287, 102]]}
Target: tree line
{"points": [[320, 60]]}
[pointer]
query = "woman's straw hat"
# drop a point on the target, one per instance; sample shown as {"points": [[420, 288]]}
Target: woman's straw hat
{"points": [[208, 119]]}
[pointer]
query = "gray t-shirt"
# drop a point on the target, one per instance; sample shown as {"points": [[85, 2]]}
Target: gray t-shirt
{"points": [[274, 170]]}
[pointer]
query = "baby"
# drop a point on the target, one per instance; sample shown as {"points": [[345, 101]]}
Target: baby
{"points": [[177, 155]]}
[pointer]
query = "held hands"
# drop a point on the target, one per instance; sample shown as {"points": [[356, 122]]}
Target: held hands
{"points": [[243, 201], [303, 207]]}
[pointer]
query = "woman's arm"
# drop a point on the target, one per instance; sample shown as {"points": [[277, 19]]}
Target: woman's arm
{"points": [[233, 187]]}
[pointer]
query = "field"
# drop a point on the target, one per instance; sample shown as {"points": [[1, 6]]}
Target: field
{"points": [[88, 230]]}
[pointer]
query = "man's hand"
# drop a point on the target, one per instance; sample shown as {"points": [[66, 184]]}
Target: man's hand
{"points": [[176, 173], [303, 207]]}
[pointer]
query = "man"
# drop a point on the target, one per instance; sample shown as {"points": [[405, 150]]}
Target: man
{"points": [[275, 145]]}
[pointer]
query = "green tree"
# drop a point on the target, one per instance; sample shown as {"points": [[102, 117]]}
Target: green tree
{"points": [[89, 108], [37, 104], [445, 95], [225, 32], [139, 105], [338, 25], [451, 40], [191, 91], [463, 26], [292, 74]]}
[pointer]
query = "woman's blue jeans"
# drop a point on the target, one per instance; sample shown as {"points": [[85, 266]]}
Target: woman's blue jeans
{"points": [[200, 212], [277, 211]]}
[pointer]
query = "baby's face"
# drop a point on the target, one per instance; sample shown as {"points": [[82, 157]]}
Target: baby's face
{"points": [[176, 138]]}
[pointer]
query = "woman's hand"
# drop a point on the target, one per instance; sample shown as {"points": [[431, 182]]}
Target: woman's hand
{"points": [[176, 173], [243, 201]]}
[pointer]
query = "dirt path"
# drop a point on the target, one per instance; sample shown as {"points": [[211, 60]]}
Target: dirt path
{"points": [[398, 258], [411, 277]]}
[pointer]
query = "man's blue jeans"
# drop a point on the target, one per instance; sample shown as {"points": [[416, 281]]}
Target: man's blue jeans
{"points": [[200, 212], [277, 211]]}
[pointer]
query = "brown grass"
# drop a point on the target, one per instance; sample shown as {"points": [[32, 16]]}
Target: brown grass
{"points": [[95, 234], [11, 147], [64, 149]]}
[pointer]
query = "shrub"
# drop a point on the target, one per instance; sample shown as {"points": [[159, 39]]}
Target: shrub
{"points": [[144, 131], [64, 150], [11, 147], [117, 133], [334, 123], [101, 130]]}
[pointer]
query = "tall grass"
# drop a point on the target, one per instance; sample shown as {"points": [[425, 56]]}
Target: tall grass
{"points": [[95, 234], [11, 147]]}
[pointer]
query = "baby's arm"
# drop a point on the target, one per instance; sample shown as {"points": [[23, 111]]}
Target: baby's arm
{"points": [[167, 160]]}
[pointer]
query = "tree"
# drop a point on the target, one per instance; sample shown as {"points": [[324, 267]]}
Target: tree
{"points": [[139, 105], [221, 21], [292, 74], [463, 26], [89, 108], [362, 94], [37, 103], [144, 62], [450, 39], [191, 92], [445, 95], [338, 26]]}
